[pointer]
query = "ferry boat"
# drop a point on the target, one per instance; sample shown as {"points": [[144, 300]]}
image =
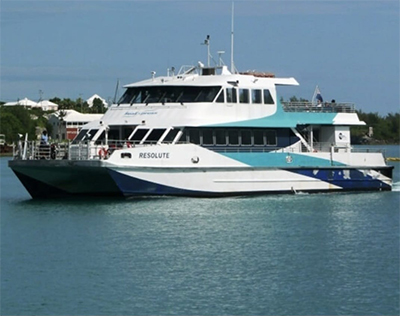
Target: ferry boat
{"points": [[206, 132]]}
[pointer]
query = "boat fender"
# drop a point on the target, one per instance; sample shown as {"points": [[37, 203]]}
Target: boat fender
{"points": [[103, 153]]}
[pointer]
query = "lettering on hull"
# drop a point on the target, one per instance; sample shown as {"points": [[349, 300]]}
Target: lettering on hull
{"points": [[154, 155]]}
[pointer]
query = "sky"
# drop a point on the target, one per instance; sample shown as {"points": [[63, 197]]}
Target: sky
{"points": [[74, 49]]}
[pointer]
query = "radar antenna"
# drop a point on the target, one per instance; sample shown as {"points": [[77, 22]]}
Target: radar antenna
{"points": [[232, 63], [207, 43]]}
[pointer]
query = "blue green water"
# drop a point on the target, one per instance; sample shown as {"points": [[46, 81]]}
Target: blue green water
{"points": [[317, 254]]}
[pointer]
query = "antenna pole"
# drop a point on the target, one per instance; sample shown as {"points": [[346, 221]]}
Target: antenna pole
{"points": [[232, 63], [208, 52], [116, 92]]}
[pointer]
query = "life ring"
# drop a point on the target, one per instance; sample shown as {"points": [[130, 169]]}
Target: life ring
{"points": [[103, 153]]}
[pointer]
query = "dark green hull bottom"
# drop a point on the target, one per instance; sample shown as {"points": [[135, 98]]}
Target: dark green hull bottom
{"points": [[55, 179]]}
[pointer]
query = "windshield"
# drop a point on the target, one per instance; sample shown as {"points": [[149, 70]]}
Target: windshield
{"points": [[165, 94], [85, 135]]}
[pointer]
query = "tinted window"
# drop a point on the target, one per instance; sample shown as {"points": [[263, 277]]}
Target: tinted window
{"points": [[220, 98], [139, 134], [267, 97], [220, 137], [243, 95], [101, 138], [80, 136], [256, 96], [208, 137], [271, 137], [165, 94], [194, 136], [258, 137], [171, 136], [231, 95], [246, 137], [154, 136], [233, 136]]}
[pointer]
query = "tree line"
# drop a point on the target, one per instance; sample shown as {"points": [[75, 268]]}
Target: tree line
{"points": [[16, 120], [80, 105], [385, 128]]}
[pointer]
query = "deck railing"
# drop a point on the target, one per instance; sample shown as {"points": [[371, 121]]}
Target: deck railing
{"points": [[326, 107], [84, 150]]}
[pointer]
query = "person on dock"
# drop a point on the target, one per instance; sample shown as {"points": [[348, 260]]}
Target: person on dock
{"points": [[44, 139]]}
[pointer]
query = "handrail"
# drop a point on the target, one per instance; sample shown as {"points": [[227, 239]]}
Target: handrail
{"points": [[90, 150], [326, 107]]}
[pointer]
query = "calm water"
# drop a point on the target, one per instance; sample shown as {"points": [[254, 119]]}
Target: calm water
{"points": [[325, 254]]}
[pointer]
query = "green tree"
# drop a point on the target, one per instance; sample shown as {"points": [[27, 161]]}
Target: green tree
{"points": [[10, 126], [98, 106], [16, 120]]}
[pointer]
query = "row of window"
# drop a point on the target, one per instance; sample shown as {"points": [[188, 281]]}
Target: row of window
{"points": [[190, 94], [70, 123], [199, 136], [254, 96]]}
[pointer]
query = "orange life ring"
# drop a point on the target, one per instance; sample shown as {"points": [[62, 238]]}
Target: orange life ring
{"points": [[102, 153]]}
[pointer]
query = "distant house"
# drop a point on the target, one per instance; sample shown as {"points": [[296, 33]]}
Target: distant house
{"points": [[24, 102], [46, 105], [67, 123], [93, 97]]}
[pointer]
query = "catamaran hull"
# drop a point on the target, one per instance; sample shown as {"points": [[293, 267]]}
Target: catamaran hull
{"points": [[57, 179], [62, 178]]}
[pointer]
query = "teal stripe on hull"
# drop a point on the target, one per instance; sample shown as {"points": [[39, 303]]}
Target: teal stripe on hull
{"points": [[279, 160]]}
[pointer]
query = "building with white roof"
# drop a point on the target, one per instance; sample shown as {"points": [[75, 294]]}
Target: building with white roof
{"points": [[46, 105], [93, 97], [24, 102], [67, 123]]}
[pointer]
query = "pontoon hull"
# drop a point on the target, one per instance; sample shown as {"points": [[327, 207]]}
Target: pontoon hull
{"points": [[55, 179]]}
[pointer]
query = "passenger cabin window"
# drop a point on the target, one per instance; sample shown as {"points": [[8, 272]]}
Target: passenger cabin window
{"points": [[171, 136], [221, 97], [127, 131], [229, 136], [154, 136], [233, 137], [101, 139], [208, 138], [139, 134], [243, 95], [258, 138], [271, 138], [184, 137], [81, 136], [267, 97], [169, 94], [245, 137], [256, 96], [113, 134], [231, 95], [85, 135], [194, 136], [220, 137]]}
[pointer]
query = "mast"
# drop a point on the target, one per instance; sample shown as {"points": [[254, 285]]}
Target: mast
{"points": [[116, 92], [232, 63]]}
